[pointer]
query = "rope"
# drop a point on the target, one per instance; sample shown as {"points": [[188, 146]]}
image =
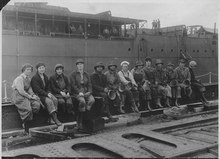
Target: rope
{"points": [[202, 75], [214, 74]]}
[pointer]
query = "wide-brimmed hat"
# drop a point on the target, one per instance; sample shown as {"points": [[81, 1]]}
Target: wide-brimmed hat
{"points": [[58, 66], [99, 64], [170, 64], [182, 60], [124, 62], [139, 63], [158, 61], [148, 59], [79, 61], [26, 65], [112, 64], [40, 64]]}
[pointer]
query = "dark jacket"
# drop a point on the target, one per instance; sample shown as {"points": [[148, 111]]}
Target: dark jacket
{"points": [[161, 76], [193, 79], [38, 87], [149, 74], [55, 88], [75, 83], [99, 83], [113, 79], [170, 75]]}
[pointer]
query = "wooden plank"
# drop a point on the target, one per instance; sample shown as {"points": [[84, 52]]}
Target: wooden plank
{"points": [[47, 135], [196, 151], [198, 139], [195, 114], [14, 141], [13, 133]]}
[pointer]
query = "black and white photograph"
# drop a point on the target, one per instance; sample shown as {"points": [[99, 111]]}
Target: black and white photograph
{"points": [[109, 78]]}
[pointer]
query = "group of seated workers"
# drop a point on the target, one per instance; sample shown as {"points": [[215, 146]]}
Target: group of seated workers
{"points": [[139, 86]]}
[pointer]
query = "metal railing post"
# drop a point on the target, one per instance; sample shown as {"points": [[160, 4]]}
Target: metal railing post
{"points": [[210, 77]]}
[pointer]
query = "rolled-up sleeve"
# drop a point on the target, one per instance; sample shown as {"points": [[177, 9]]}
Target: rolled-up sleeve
{"points": [[122, 78], [19, 85]]}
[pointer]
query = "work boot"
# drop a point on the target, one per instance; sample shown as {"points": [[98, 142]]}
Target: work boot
{"points": [[158, 103], [168, 102], [54, 117], [203, 99], [134, 108], [79, 121], [148, 106], [137, 104], [111, 118], [176, 103], [27, 126], [50, 121]]}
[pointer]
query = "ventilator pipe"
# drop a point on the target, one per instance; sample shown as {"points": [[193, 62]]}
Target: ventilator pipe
{"points": [[5, 91]]}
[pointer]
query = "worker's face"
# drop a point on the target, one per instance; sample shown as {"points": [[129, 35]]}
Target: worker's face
{"points": [[125, 67], [80, 66], [139, 67], [182, 64], [148, 63], [193, 67], [41, 69], [113, 68], [159, 66], [59, 71], [99, 68], [170, 67], [28, 71]]}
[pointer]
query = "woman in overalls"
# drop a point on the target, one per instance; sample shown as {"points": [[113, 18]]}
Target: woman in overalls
{"points": [[130, 92]]}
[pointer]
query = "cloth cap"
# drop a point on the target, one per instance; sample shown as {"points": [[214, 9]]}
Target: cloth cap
{"points": [[158, 61], [112, 64], [58, 66], [39, 65], [148, 59], [79, 61], [182, 60], [124, 62], [99, 64], [192, 63], [27, 65], [170, 64], [139, 63]]}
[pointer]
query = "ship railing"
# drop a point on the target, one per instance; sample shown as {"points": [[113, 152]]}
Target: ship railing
{"points": [[29, 33], [58, 34], [210, 74], [10, 32]]}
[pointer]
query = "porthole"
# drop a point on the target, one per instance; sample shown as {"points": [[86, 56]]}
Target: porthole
{"points": [[151, 50], [140, 49], [161, 50], [197, 50], [205, 50], [129, 49], [171, 50], [193, 50]]}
